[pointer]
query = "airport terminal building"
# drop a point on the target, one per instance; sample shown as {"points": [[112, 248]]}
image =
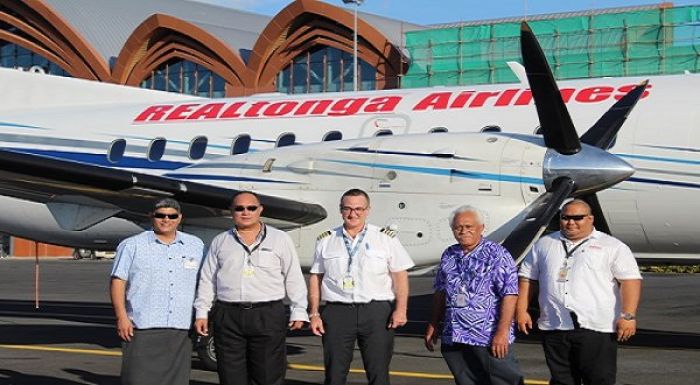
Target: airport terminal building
{"points": [[201, 49]]}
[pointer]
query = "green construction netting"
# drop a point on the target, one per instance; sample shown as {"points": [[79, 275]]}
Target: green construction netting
{"points": [[645, 42]]}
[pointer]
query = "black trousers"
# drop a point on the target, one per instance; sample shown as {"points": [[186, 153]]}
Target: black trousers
{"points": [[250, 343], [580, 356], [474, 365], [365, 323]]}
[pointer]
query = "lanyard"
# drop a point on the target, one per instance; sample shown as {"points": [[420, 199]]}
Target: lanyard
{"points": [[353, 250], [570, 253], [248, 250]]}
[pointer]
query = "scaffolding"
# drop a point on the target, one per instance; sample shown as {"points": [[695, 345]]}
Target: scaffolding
{"points": [[624, 42]]}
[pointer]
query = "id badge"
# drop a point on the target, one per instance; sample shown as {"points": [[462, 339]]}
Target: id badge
{"points": [[563, 273], [248, 271], [348, 283], [460, 300], [190, 264]]}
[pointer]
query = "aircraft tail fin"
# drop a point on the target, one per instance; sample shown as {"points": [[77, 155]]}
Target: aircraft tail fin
{"points": [[25, 90]]}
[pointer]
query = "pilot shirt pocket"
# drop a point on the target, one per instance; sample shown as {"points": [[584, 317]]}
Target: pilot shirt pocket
{"points": [[335, 265], [376, 261]]}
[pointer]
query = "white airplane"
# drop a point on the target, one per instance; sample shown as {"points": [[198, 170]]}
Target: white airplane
{"points": [[81, 162]]}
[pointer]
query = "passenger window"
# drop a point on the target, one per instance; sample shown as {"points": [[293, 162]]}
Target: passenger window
{"points": [[437, 130], [156, 149], [332, 135], [383, 133], [241, 144], [198, 147], [116, 150], [491, 129], [286, 139]]}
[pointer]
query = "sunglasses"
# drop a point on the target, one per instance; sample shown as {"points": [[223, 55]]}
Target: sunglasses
{"points": [[574, 218], [163, 216], [241, 208]]}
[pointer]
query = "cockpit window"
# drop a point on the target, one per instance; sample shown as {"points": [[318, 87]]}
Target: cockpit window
{"points": [[383, 133], [437, 130], [156, 149], [198, 147]]}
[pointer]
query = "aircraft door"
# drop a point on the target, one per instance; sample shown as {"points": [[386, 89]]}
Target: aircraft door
{"points": [[522, 163]]}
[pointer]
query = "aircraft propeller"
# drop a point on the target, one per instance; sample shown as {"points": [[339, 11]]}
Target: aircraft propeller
{"points": [[570, 168]]}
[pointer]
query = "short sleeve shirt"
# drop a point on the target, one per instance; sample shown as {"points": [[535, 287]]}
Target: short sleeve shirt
{"points": [[589, 288], [379, 255], [161, 279], [475, 284]]}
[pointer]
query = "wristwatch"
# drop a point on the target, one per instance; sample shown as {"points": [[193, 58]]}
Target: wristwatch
{"points": [[628, 316]]}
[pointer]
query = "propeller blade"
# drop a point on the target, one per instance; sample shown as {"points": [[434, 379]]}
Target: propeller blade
{"points": [[538, 215], [604, 131], [598, 217], [557, 128]]}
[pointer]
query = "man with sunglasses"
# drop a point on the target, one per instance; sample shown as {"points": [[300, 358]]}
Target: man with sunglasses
{"points": [[249, 270], [360, 271], [153, 285], [589, 289]]}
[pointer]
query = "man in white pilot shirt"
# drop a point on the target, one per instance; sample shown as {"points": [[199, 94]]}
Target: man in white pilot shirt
{"points": [[360, 271]]}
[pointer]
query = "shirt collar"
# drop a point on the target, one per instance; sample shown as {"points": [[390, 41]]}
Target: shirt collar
{"points": [[594, 235], [258, 238], [154, 238]]}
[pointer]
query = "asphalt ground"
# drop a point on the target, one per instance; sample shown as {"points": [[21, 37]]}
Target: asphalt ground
{"points": [[70, 339]]}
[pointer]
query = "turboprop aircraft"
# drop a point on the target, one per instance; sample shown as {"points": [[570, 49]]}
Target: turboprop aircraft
{"points": [[81, 162]]}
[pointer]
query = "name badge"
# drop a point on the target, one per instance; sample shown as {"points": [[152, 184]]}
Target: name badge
{"points": [[563, 273], [348, 283], [461, 300], [248, 271], [190, 264]]}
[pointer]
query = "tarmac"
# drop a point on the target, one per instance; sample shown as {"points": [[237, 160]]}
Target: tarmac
{"points": [[70, 338]]}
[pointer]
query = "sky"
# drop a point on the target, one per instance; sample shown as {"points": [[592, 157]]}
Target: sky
{"points": [[446, 11]]}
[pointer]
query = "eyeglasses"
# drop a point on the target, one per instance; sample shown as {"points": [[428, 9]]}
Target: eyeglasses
{"points": [[574, 218], [164, 215], [468, 228], [242, 208], [348, 210]]}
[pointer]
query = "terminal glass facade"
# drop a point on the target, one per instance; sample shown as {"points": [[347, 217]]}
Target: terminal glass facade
{"points": [[659, 40], [325, 69], [186, 77], [16, 56]]}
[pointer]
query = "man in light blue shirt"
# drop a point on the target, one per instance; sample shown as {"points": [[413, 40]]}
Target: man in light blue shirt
{"points": [[154, 279]]}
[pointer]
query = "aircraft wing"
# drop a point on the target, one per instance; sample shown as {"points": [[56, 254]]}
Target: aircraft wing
{"points": [[81, 195]]}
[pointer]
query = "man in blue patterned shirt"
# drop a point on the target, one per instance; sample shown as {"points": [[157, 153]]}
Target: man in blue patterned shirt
{"points": [[476, 289], [153, 286]]}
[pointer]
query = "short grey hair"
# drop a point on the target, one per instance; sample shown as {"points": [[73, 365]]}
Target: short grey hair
{"points": [[168, 203], [466, 209]]}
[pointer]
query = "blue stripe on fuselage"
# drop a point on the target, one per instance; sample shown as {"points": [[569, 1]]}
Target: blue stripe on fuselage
{"points": [[446, 172], [101, 159]]}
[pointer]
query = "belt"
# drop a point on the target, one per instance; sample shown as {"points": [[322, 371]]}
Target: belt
{"points": [[356, 303], [248, 305]]}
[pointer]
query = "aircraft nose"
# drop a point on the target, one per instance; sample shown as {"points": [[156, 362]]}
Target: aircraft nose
{"points": [[592, 169]]}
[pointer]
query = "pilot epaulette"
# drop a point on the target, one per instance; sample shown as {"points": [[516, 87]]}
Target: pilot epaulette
{"points": [[323, 235], [391, 233]]}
